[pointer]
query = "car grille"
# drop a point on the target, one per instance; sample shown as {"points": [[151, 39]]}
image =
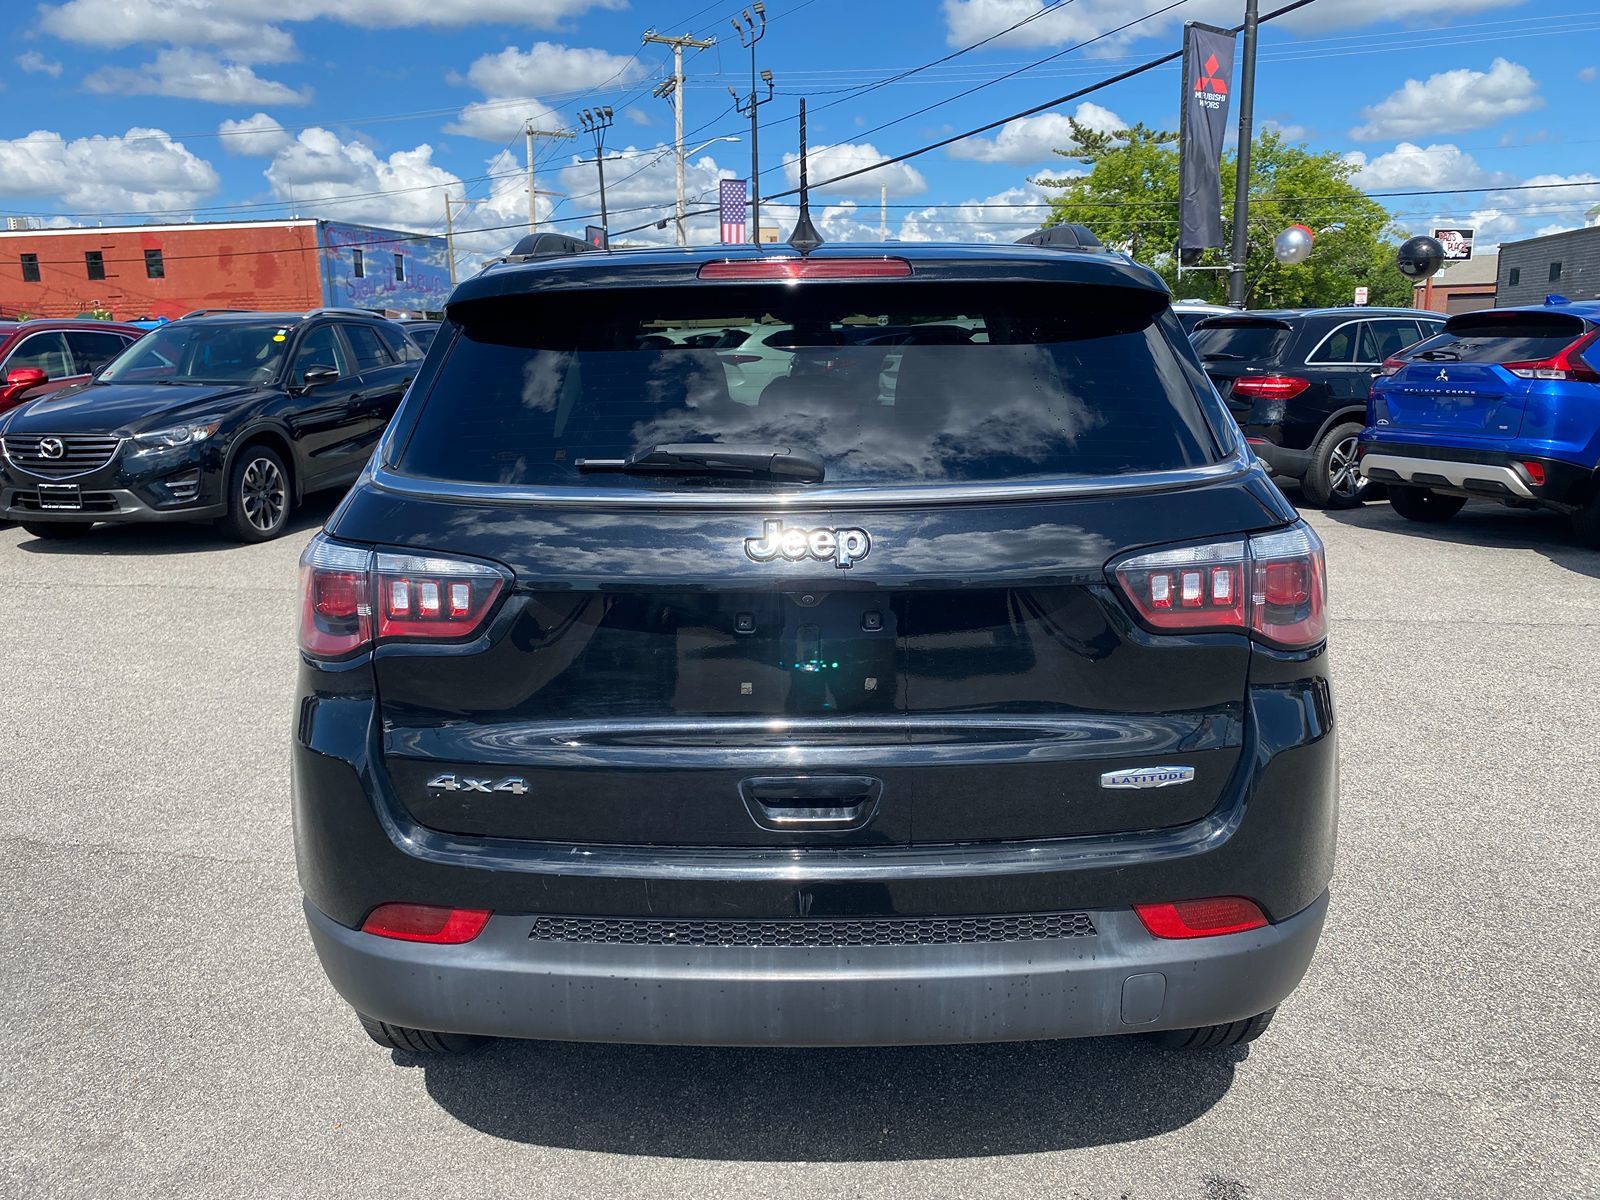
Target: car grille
{"points": [[887, 931], [80, 453]]}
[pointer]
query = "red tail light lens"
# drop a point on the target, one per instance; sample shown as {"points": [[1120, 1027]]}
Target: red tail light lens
{"points": [[751, 269], [351, 595], [1392, 366], [1536, 473], [1269, 387], [1201, 918], [1569, 365], [1273, 586], [739, 360], [426, 923]]}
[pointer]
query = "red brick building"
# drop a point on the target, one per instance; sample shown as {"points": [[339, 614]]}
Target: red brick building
{"points": [[137, 271]]}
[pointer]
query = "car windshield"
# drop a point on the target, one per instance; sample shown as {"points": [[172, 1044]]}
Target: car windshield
{"points": [[1229, 338], [1015, 383], [198, 351]]}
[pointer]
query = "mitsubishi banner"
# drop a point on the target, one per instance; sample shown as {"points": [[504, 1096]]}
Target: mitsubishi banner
{"points": [[1207, 91]]}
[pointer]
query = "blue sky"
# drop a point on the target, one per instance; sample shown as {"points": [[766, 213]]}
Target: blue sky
{"points": [[170, 110]]}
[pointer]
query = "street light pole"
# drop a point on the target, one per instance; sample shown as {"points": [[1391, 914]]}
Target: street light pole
{"points": [[674, 88], [751, 32], [597, 121], [1237, 294]]}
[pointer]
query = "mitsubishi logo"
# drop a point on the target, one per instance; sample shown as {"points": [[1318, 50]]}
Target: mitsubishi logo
{"points": [[1442, 377], [1209, 80], [51, 447]]}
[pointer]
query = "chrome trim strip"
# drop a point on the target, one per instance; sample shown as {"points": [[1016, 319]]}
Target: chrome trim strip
{"points": [[1313, 361], [1456, 472], [1237, 465], [16, 466]]}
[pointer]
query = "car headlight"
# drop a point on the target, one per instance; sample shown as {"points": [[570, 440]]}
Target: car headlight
{"points": [[170, 439]]}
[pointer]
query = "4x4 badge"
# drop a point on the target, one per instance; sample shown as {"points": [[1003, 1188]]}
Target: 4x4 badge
{"points": [[842, 547]]}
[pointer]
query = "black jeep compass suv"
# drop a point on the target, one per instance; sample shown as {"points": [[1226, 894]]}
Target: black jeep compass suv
{"points": [[227, 415], [956, 689]]}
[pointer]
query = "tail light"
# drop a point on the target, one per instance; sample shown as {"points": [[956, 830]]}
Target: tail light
{"points": [[1272, 586], [754, 269], [426, 923], [1535, 472], [351, 596], [1201, 918], [739, 360], [1569, 365], [1269, 387], [1392, 366]]}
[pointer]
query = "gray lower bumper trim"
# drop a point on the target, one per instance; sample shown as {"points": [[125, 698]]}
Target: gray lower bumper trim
{"points": [[1458, 474], [1120, 981]]}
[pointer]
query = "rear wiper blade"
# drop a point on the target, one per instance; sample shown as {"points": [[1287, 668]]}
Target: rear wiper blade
{"points": [[1440, 355], [781, 463], [1219, 356]]}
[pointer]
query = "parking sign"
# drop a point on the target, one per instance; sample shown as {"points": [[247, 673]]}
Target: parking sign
{"points": [[1361, 295]]}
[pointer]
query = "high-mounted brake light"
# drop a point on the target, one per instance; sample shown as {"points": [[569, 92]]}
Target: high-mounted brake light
{"points": [[1570, 364], [1270, 387], [1272, 586], [806, 268], [426, 923], [1201, 918], [351, 596]]}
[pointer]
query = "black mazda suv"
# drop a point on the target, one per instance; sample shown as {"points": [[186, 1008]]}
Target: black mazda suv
{"points": [[933, 692], [231, 416]]}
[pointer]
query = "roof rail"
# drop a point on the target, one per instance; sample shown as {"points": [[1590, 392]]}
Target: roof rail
{"points": [[206, 312], [1063, 237], [547, 245], [341, 312]]}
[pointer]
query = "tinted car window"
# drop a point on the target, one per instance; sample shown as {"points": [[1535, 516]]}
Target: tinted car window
{"points": [[407, 343], [194, 351], [1384, 339], [1501, 337], [368, 347], [1072, 382], [320, 348], [45, 352], [92, 350], [1229, 338], [1339, 346]]}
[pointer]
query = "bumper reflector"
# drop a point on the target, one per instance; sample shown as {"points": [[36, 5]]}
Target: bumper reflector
{"points": [[1201, 918], [426, 923]]}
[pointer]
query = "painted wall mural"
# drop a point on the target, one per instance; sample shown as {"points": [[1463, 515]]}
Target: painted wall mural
{"points": [[359, 269]]}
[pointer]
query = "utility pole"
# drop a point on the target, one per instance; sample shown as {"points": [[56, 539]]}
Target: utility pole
{"points": [[674, 88], [883, 214], [450, 237], [1241, 189], [533, 216], [597, 121], [751, 32]]}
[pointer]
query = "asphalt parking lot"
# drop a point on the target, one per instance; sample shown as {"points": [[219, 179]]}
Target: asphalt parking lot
{"points": [[168, 1030]]}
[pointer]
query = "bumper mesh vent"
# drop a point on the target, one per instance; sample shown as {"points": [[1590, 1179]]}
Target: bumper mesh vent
{"points": [[886, 931]]}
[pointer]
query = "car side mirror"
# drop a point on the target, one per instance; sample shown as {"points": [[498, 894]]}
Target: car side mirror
{"points": [[316, 376], [26, 377]]}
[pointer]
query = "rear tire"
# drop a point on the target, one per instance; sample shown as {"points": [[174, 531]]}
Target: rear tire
{"points": [[1586, 522], [1419, 504], [50, 531], [1332, 480], [260, 497], [1214, 1037], [419, 1041]]}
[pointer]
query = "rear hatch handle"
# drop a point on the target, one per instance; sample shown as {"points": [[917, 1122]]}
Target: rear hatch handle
{"points": [[792, 803]]}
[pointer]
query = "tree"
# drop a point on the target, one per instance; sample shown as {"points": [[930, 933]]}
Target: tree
{"points": [[1130, 199]]}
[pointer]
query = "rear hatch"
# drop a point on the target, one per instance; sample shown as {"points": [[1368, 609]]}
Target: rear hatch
{"points": [[1472, 380], [1232, 347], [721, 658]]}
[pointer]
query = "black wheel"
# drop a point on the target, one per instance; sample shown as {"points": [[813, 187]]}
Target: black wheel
{"points": [[1586, 522], [1214, 1037], [1419, 504], [51, 531], [1332, 480], [259, 498], [419, 1041]]}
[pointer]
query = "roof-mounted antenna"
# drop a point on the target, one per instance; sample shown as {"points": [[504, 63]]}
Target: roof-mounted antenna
{"points": [[805, 237]]}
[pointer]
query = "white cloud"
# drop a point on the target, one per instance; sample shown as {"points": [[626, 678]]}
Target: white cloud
{"points": [[1031, 139], [1452, 100], [1588, 74], [325, 175], [37, 64], [641, 188], [194, 75], [1407, 166], [968, 21], [992, 219], [509, 78], [259, 134], [825, 162], [1288, 132], [142, 171], [501, 119]]}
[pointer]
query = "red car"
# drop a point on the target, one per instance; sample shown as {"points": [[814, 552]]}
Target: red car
{"points": [[40, 357]]}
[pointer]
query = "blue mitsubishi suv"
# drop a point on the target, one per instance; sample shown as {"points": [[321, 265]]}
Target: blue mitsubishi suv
{"points": [[1502, 405]]}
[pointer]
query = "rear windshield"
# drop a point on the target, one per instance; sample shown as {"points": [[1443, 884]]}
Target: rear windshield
{"points": [[1500, 338], [1223, 338], [1015, 383]]}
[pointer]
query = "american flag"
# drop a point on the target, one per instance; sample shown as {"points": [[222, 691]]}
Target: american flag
{"points": [[731, 198]]}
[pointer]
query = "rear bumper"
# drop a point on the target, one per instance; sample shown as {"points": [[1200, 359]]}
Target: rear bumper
{"points": [[1489, 474], [1118, 980], [1280, 460]]}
